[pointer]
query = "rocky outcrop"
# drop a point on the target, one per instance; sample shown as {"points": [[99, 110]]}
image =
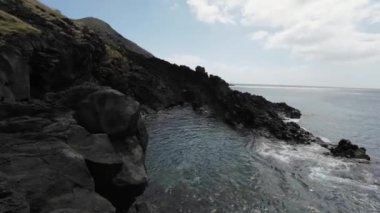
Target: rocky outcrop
{"points": [[72, 138], [41, 171], [115, 151], [348, 150], [53, 155]]}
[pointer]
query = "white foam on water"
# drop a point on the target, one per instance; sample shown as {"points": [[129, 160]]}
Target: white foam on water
{"points": [[325, 175], [287, 153], [324, 139], [321, 168], [288, 120]]}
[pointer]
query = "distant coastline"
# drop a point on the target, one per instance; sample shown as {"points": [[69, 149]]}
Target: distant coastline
{"points": [[296, 86]]}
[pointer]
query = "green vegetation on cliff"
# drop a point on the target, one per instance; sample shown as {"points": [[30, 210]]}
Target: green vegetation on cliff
{"points": [[42, 10], [10, 24]]}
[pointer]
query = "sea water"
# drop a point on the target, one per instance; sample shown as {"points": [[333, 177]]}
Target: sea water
{"points": [[198, 164], [332, 113]]}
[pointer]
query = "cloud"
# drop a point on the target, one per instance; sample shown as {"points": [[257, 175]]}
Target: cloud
{"points": [[328, 30], [210, 11]]}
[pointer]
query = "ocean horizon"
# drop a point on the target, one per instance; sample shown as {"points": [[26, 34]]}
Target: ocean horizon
{"points": [[299, 86]]}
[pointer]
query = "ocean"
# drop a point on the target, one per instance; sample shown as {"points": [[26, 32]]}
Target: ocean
{"points": [[332, 113], [198, 164]]}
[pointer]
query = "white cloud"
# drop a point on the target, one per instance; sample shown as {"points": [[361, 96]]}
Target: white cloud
{"points": [[330, 30], [210, 11]]}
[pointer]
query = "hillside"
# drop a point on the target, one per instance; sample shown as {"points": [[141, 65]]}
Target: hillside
{"points": [[106, 32], [72, 98]]}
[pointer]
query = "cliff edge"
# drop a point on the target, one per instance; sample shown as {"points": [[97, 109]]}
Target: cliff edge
{"points": [[71, 98]]}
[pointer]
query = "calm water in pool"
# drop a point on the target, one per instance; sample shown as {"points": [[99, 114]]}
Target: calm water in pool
{"points": [[197, 164]]}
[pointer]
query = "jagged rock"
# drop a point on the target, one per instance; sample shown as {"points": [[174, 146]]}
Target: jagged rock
{"points": [[115, 152], [200, 69], [346, 149], [11, 198], [47, 170], [53, 162], [14, 76], [127, 155], [9, 110], [23, 124], [286, 111]]}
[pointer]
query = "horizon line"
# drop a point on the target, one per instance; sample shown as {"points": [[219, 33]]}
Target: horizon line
{"points": [[299, 86]]}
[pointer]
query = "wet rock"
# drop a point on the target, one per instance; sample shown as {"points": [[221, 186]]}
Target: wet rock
{"points": [[348, 150], [286, 111], [55, 163]]}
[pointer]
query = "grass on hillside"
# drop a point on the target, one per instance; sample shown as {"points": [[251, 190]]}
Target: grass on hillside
{"points": [[10, 24], [113, 53], [54, 17], [42, 10]]}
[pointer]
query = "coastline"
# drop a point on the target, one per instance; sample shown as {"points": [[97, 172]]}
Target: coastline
{"points": [[72, 98]]}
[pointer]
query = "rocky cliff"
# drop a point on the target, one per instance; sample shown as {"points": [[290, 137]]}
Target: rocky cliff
{"points": [[72, 95]]}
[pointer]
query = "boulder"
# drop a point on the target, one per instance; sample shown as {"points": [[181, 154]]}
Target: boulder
{"points": [[113, 143], [348, 150], [44, 174], [127, 156], [108, 111]]}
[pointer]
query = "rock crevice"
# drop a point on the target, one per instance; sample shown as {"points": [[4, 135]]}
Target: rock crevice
{"points": [[71, 99]]}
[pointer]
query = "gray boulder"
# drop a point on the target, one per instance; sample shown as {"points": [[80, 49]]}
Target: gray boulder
{"points": [[108, 111]]}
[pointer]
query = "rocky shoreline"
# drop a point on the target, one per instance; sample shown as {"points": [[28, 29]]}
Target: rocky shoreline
{"points": [[72, 94]]}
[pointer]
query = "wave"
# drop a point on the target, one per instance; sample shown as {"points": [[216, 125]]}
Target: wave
{"points": [[313, 163], [288, 120]]}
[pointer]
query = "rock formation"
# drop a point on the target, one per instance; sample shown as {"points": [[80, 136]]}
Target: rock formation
{"points": [[346, 149], [71, 99]]}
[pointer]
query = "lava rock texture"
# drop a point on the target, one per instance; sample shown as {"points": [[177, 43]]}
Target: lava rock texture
{"points": [[72, 92]]}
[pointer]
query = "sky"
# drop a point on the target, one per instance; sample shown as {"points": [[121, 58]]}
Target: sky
{"points": [[287, 42]]}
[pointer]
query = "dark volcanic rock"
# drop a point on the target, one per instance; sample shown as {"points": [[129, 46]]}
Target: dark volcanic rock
{"points": [[108, 111], [348, 150], [115, 157], [286, 111], [48, 175], [11, 199], [70, 124]]}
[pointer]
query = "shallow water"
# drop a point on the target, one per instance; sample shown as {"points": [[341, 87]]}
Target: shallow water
{"points": [[197, 164]]}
